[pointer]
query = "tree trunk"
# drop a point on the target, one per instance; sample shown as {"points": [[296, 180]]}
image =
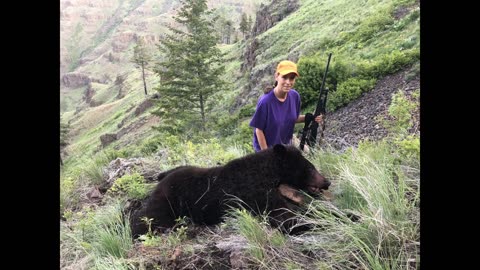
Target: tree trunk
{"points": [[144, 82]]}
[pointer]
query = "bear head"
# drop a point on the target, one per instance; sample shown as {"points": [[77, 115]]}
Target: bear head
{"points": [[297, 171]]}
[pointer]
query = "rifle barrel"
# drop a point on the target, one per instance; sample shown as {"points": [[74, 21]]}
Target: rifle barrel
{"points": [[318, 110]]}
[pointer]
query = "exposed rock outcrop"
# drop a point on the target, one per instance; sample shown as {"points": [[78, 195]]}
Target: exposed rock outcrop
{"points": [[143, 107], [73, 79], [107, 139], [267, 16], [271, 14], [88, 95]]}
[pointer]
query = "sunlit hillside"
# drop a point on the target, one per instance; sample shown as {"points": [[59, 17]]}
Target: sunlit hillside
{"points": [[111, 152]]}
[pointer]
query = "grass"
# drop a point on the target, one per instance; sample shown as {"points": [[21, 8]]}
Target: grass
{"points": [[267, 247], [385, 195], [375, 181], [69, 99], [101, 235], [368, 181]]}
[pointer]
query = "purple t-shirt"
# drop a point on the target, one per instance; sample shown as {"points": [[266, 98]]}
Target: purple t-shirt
{"points": [[276, 118]]}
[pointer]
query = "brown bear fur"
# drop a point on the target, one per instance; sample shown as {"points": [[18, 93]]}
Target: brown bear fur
{"points": [[205, 195]]}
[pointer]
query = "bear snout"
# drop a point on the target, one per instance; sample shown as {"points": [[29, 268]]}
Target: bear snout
{"points": [[326, 184], [320, 181]]}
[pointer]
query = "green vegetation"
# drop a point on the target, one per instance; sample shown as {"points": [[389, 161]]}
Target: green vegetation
{"points": [[132, 185], [378, 182], [70, 99], [72, 46], [191, 71], [142, 57], [259, 236], [370, 182], [400, 122], [371, 48], [104, 235], [64, 129], [245, 24]]}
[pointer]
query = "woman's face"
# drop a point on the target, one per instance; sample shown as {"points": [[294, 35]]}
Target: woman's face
{"points": [[285, 82]]}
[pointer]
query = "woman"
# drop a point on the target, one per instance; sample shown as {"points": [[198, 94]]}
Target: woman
{"points": [[278, 110]]}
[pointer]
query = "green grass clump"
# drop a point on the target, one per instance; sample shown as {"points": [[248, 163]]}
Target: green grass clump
{"points": [[101, 234], [130, 185], [384, 194]]}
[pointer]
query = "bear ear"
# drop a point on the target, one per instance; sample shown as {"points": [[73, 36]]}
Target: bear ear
{"points": [[279, 149]]}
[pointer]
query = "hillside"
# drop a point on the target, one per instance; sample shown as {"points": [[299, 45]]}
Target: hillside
{"points": [[97, 39], [100, 85], [113, 154], [90, 94]]}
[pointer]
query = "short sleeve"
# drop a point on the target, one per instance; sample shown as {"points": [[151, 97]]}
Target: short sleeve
{"points": [[298, 103], [259, 119]]}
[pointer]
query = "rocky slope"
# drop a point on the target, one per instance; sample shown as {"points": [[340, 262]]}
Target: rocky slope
{"points": [[356, 121]]}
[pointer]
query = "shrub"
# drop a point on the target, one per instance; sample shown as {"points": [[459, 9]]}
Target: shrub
{"points": [[151, 145], [309, 83], [409, 147], [399, 121], [389, 63], [242, 136], [132, 185], [349, 90], [247, 111], [400, 111], [67, 194], [373, 25]]}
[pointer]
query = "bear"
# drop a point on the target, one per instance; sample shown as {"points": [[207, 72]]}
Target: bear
{"points": [[268, 181]]}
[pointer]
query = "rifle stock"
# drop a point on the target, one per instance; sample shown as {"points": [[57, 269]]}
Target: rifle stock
{"points": [[310, 129]]}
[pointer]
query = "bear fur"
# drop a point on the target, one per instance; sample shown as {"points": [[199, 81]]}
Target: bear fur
{"points": [[205, 195]]}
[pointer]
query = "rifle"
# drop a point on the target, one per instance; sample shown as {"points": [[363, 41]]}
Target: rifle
{"points": [[309, 132]]}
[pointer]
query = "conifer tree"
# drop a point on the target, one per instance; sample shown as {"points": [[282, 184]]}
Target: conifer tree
{"points": [[244, 24], [191, 70], [228, 30], [249, 23], [141, 57]]}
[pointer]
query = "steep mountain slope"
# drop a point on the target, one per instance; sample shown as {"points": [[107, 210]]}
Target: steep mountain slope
{"points": [[102, 99], [97, 38], [309, 28], [102, 94]]}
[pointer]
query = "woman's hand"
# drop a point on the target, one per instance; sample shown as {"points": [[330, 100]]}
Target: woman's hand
{"points": [[309, 117]]}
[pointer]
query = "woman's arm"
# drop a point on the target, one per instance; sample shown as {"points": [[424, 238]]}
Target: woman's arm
{"points": [[301, 118], [261, 138]]}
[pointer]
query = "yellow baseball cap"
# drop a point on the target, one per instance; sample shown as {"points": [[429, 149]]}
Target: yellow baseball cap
{"points": [[285, 67]]}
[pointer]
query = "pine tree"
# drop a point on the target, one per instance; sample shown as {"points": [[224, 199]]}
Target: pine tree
{"points": [[244, 24], [249, 23], [141, 57], [228, 30], [191, 70]]}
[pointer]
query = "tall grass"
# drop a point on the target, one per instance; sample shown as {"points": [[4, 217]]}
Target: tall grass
{"points": [[267, 247], [76, 180], [100, 235], [384, 195]]}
